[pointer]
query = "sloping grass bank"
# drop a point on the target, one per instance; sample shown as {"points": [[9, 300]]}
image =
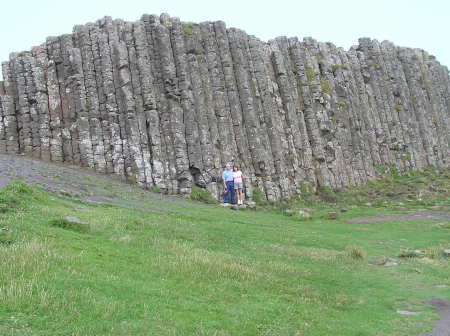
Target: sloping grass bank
{"points": [[204, 270]]}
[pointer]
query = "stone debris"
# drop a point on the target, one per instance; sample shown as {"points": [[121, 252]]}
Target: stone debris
{"points": [[167, 104], [305, 214], [406, 312], [332, 215], [390, 263], [75, 220], [250, 204]]}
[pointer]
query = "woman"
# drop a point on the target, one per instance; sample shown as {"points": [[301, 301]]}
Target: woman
{"points": [[238, 184]]}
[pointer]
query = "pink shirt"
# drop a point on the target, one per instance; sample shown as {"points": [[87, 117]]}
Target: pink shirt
{"points": [[237, 176]]}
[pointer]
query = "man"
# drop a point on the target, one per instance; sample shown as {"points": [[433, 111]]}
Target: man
{"points": [[227, 177]]}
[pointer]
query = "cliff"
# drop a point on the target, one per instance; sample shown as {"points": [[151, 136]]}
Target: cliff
{"points": [[168, 103]]}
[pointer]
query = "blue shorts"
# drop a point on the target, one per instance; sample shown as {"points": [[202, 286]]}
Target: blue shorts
{"points": [[238, 185]]}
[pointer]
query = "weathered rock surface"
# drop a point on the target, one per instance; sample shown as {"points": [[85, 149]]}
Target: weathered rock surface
{"points": [[168, 103]]}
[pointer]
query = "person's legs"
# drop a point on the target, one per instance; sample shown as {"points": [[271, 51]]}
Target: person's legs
{"points": [[230, 188], [239, 194], [225, 196]]}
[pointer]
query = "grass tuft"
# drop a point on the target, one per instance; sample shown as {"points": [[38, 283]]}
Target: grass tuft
{"points": [[408, 254], [258, 197], [66, 224], [327, 194], [354, 252], [187, 28], [201, 195]]}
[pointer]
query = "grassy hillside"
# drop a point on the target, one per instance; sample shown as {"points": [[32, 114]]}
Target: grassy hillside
{"points": [[198, 269]]}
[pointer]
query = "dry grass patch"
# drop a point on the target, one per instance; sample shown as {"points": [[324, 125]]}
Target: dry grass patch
{"points": [[23, 265], [308, 252], [184, 258]]}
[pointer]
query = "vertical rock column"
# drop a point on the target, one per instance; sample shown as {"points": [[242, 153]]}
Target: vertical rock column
{"points": [[81, 132], [147, 60], [147, 104], [186, 98], [42, 100], [171, 109], [436, 85], [9, 112], [2, 119], [111, 125], [83, 42], [158, 133], [22, 102], [221, 126], [203, 117], [237, 149], [135, 116], [129, 127], [54, 100], [269, 116], [246, 113]]}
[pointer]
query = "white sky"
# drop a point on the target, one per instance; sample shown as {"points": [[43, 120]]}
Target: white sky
{"points": [[421, 24]]}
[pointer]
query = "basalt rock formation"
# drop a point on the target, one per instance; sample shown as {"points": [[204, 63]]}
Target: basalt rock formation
{"points": [[167, 104]]}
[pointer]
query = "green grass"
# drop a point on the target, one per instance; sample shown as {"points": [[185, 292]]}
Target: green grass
{"points": [[187, 28], [325, 85], [204, 270]]}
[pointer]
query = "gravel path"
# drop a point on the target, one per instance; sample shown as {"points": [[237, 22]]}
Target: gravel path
{"points": [[437, 214], [82, 184], [442, 306]]}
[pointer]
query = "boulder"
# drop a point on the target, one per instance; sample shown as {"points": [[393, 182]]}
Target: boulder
{"points": [[305, 214], [332, 215]]}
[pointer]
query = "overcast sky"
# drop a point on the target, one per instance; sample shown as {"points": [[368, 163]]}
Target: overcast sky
{"points": [[421, 24]]}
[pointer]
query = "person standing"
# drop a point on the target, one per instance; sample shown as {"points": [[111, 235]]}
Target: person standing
{"points": [[227, 177], [238, 184]]}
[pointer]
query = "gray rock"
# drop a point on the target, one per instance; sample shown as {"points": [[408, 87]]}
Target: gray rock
{"points": [[167, 104], [305, 214], [76, 221], [406, 312], [390, 262], [250, 204], [332, 215]]}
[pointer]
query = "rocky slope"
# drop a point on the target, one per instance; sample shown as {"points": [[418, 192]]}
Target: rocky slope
{"points": [[168, 103]]}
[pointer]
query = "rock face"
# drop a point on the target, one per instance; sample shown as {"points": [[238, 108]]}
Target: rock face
{"points": [[167, 104]]}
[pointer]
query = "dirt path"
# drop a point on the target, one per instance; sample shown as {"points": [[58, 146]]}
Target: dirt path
{"points": [[437, 214], [442, 306], [81, 184]]}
